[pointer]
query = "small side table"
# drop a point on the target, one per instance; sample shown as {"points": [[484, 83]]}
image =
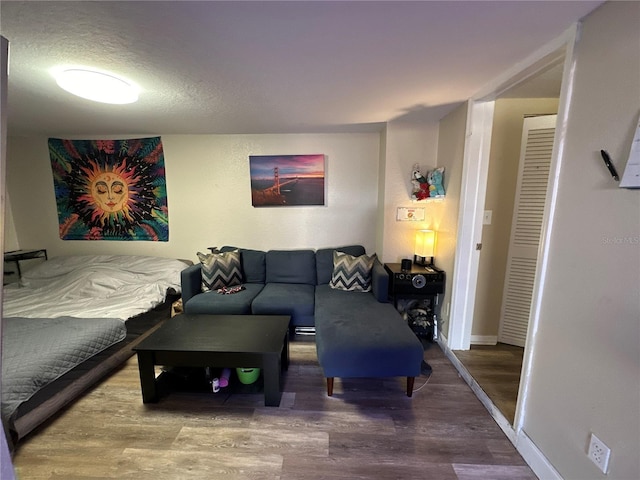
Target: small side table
{"points": [[418, 289], [18, 256]]}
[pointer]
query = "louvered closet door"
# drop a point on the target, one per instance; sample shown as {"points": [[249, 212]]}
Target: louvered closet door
{"points": [[526, 227]]}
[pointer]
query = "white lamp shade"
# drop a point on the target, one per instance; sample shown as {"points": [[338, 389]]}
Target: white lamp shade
{"points": [[425, 243]]}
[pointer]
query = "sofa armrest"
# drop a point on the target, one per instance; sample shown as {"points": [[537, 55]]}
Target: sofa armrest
{"points": [[380, 282], [191, 282]]}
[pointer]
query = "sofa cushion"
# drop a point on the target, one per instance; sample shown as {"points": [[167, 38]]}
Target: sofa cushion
{"points": [[220, 270], [352, 273], [253, 264], [324, 260], [214, 303], [357, 336], [291, 266], [294, 299]]}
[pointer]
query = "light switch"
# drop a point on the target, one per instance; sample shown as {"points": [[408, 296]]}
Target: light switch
{"points": [[486, 220]]}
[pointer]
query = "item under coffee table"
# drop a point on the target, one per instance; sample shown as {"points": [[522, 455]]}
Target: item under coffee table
{"points": [[247, 341]]}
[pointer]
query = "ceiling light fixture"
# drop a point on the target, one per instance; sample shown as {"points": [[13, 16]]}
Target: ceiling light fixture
{"points": [[97, 86]]}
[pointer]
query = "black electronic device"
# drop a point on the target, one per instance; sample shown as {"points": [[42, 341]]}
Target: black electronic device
{"points": [[418, 280], [405, 264]]}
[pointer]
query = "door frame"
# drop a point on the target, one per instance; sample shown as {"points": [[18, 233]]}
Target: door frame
{"points": [[6, 464], [473, 190]]}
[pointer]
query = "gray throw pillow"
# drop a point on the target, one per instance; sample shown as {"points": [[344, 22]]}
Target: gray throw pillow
{"points": [[352, 273], [220, 270]]}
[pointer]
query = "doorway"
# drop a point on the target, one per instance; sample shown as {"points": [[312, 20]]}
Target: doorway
{"points": [[522, 139], [471, 296]]}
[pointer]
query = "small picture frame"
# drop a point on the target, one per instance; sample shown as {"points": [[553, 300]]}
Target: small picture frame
{"points": [[405, 214]]}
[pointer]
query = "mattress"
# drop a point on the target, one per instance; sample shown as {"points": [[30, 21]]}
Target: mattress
{"points": [[93, 286], [37, 351], [70, 321]]}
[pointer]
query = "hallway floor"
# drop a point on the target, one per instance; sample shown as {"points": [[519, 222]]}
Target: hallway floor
{"points": [[497, 369]]}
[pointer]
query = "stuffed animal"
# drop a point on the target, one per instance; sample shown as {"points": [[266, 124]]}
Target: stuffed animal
{"points": [[417, 175], [435, 179], [422, 193], [420, 184]]}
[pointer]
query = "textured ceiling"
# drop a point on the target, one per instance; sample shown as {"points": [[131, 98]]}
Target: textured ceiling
{"points": [[266, 67]]}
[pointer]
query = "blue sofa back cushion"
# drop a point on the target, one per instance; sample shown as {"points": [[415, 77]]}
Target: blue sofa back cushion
{"points": [[253, 264], [291, 266], [324, 260]]}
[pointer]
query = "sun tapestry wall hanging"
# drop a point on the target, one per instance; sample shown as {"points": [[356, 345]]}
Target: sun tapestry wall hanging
{"points": [[286, 180], [110, 189]]}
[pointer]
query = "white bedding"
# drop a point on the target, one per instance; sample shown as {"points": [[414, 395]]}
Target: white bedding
{"points": [[93, 286]]}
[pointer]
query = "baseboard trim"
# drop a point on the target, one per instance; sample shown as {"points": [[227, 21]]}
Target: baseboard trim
{"points": [[520, 440], [535, 458], [484, 339]]}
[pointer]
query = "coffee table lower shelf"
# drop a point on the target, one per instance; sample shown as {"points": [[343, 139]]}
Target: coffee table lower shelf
{"points": [[195, 380]]}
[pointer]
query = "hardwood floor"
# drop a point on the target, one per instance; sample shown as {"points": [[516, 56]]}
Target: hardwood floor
{"points": [[497, 369], [369, 429]]}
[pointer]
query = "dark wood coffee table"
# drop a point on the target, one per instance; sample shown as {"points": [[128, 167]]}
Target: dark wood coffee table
{"points": [[246, 341]]}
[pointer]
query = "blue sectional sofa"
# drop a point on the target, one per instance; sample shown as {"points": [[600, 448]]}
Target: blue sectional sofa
{"points": [[357, 334]]}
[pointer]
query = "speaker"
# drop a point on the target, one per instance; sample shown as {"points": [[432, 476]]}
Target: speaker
{"points": [[418, 281], [406, 264], [414, 281]]}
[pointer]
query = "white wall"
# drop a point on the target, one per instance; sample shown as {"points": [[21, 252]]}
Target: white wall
{"points": [[382, 173], [586, 362], [10, 234], [451, 157], [209, 196], [407, 143]]}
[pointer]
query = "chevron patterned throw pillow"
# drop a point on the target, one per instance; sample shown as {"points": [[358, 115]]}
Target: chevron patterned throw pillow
{"points": [[351, 273], [220, 270]]}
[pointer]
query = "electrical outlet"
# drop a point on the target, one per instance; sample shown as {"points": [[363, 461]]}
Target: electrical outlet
{"points": [[599, 453]]}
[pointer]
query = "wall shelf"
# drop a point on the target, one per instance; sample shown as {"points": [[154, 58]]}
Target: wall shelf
{"points": [[428, 200]]}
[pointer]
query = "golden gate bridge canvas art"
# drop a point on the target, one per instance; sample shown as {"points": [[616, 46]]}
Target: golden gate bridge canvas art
{"points": [[286, 180]]}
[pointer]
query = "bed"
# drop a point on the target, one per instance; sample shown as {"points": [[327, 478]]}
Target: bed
{"points": [[72, 320]]}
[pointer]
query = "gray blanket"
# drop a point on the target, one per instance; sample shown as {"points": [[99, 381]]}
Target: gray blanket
{"points": [[36, 351]]}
